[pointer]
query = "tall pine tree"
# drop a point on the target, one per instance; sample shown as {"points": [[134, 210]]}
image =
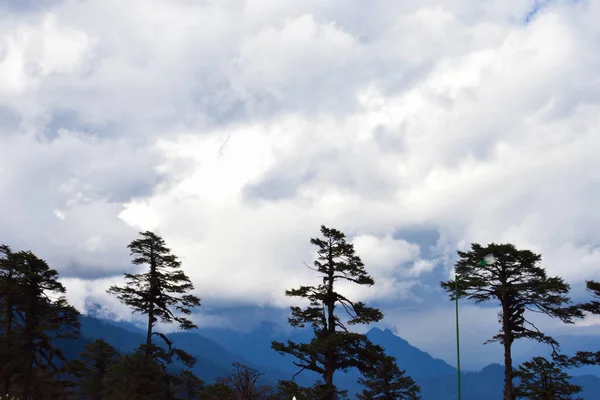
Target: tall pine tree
{"points": [[36, 315], [517, 282], [160, 293], [333, 347], [9, 296]]}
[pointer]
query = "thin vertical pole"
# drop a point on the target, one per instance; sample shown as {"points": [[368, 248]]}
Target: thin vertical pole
{"points": [[457, 334]]}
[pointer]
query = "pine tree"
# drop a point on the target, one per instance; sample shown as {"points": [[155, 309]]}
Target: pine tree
{"points": [[332, 349], [9, 292], [36, 314], [92, 369], [519, 284], [541, 379], [388, 382], [161, 293]]}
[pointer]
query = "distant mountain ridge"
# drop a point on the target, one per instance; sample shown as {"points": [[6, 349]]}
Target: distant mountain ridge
{"points": [[217, 348], [126, 340], [569, 344], [419, 363]]}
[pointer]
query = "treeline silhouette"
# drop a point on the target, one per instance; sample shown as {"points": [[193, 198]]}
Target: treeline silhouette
{"points": [[37, 325]]}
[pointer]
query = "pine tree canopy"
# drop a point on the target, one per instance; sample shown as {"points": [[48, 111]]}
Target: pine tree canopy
{"points": [[541, 379], [333, 346]]}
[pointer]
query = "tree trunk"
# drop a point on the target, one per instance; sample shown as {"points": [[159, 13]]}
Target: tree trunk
{"points": [[330, 352], [30, 323], [329, 388], [508, 373], [507, 341], [7, 347], [151, 305], [149, 331]]}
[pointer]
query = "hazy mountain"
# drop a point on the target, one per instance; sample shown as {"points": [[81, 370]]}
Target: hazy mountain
{"points": [[256, 344], [213, 361], [590, 385], [418, 363], [569, 344], [216, 349]]}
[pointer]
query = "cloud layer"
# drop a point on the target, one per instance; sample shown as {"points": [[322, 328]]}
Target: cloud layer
{"points": [[236, 128]]}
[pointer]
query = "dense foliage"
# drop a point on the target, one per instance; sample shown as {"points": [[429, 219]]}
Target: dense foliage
{"points": [[35, 315], [388, 382], [541, 379]]}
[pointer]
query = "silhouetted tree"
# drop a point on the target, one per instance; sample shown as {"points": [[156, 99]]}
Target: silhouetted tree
{"points": [[10, 276], [161, 293], [92, 369], [35, 315], [388, 382], [332, 349], [541, 379], [155, 293], [519, 284]]}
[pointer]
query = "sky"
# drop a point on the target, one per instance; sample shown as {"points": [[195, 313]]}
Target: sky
{"points": [[234, 129]]}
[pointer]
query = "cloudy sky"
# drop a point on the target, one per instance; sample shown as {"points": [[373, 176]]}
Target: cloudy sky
{"points": [[235, 128]]}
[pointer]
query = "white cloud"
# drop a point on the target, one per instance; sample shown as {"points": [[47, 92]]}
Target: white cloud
{"points": [[384, 253], [391, 258], [235, 129], [80, 293], [33, 52]]}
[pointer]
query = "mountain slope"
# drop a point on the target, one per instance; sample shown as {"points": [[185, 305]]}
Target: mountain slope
{"points": [[256, 344], [215, 353], [590, 385], [417, 363], [211, 364]]}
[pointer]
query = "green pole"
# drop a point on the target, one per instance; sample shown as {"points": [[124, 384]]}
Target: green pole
{"points": [[487, 260], [457, 334]]}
